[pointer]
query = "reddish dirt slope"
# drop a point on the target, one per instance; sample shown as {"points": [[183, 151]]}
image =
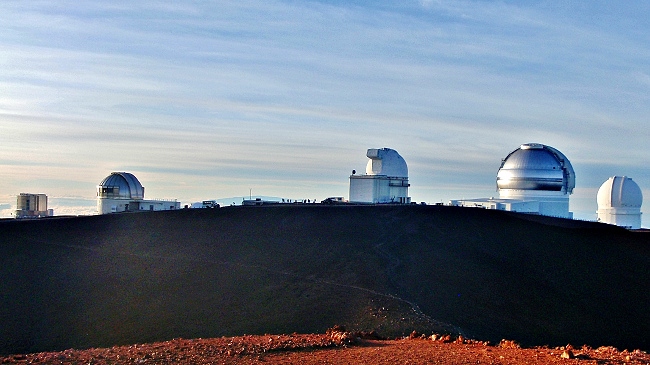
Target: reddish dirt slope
{"points": [[334, 347]]}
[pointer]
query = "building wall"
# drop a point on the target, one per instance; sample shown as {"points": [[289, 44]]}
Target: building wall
{"points": [[106, 206], [32, 206], [551, 203], [558, 208], [398, 190], [378, 189], [628, 218], [548, 206], [499, 204], [35, 202], [362, 189]]}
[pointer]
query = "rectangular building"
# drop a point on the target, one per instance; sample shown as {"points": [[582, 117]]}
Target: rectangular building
{"points": [[32, 206]]}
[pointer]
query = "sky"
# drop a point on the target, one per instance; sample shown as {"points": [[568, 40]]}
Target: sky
{"points": [[213, 99]]}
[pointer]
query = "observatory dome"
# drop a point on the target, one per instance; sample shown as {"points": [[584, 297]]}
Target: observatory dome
{"points": [[121, 185], [619, 192], [536, 167], [387, 162]]}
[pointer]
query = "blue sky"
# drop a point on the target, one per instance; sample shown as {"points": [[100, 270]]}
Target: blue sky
{"points": [[204, 99]]}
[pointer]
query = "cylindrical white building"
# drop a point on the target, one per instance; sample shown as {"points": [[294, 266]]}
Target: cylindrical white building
{"points": [[619, 202], [536, 172]]}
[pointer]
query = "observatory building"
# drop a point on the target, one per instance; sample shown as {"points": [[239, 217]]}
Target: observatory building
{"points": [[534, 178], [619, 202], [122, 192], [32, 206], [385, 181]]}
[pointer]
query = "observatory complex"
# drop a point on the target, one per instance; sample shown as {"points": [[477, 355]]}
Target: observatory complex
{"points": [[385, 181], [619, 202], [122, 192], [534, 178]]}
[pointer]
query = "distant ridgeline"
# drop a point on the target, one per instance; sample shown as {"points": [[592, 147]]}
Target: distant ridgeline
{"points": [[131, 278]]}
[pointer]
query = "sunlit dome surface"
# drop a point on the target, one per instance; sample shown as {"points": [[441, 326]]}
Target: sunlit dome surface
{"points": [[534, 166], [386, 161], [619, 192], [120, 185]]}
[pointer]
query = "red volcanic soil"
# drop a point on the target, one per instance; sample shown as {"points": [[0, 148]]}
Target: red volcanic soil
{"points": [[334, 347]]}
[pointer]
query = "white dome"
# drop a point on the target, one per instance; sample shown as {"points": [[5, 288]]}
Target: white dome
{"points": [[387, 162], [619, 192]]}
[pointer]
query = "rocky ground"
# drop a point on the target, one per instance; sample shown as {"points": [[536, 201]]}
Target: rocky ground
{"points": [[334, 347]]}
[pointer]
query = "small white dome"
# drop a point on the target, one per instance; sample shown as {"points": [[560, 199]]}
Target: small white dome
{"points": [[619, 192], [387, 162]]}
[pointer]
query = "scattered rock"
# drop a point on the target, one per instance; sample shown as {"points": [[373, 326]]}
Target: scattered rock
{"points": [[369, 335], [249, 350], [567, 354], [509, 344], [340, 335]]}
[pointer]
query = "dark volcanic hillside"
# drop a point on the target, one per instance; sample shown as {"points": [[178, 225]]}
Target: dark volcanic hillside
{"points": [[141, 277]]}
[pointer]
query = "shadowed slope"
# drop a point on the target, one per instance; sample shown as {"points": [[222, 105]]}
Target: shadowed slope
{"points": [[127, 278]]}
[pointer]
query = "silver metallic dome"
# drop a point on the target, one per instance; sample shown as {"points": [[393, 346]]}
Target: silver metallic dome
{"points": [[120, 185], [534, 166]]}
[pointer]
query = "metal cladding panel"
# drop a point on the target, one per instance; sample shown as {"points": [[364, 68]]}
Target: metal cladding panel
{"points": [[362, 189], [114, 186], [531, 159], [136, 189], [378, 189], [555, 209], [567, 168], [372, 153], [552, 180], [382, 190]]}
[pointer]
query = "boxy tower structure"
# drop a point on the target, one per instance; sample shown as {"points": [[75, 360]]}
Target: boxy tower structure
{"points": [[385, 181], [32, 206]]}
